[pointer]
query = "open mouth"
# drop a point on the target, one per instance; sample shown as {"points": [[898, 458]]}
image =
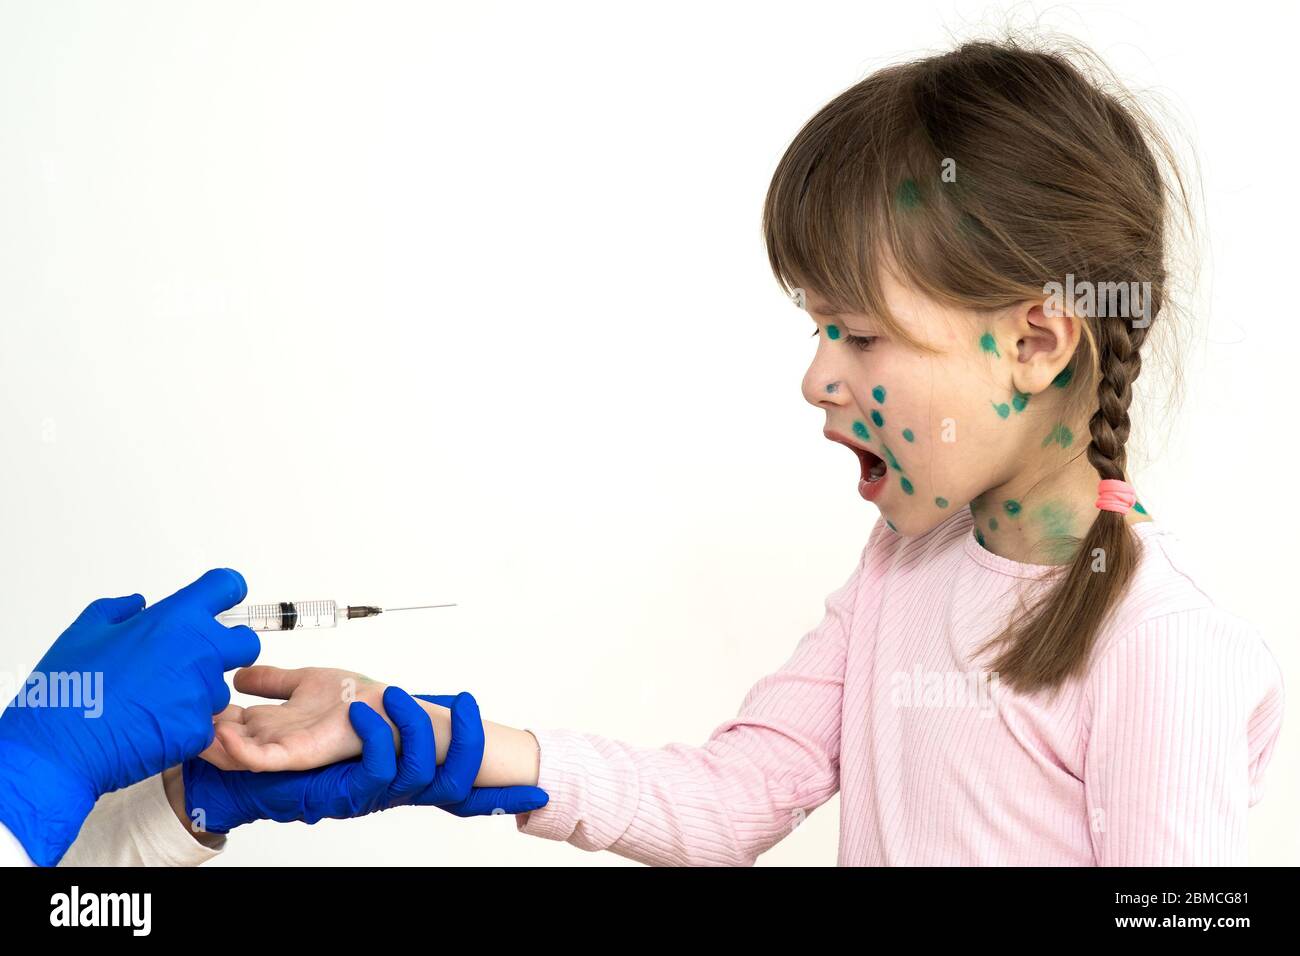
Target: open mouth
{"points": [[873, 466]]}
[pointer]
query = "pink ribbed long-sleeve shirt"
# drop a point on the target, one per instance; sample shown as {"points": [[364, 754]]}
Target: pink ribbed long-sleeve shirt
{"points": [[1150, 758]]}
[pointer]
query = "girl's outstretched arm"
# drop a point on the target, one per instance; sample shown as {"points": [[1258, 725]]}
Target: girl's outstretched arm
{"points": [[724, 803]]}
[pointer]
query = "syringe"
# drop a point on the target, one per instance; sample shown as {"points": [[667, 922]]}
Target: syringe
{"points": [[292, 615]]}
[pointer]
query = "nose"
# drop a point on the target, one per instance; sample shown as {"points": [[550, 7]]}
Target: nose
{"points": [[823, 386]]}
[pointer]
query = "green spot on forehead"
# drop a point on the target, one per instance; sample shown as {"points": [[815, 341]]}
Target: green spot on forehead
{"points": [[989, 344], [907, 485], [878, 418], [907, 434], [1011, 507], [1063, 379], [833, 331], [878, 393], [860, 430]]}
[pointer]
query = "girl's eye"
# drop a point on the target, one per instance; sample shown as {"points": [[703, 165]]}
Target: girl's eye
{"points": [[863, 342]]}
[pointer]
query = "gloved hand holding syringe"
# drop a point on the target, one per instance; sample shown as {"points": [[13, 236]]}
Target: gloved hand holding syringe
{"points": [[292, 615]]}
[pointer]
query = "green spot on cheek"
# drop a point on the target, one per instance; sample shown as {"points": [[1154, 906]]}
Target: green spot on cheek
{"points": [[907, 486], [941, 502], [1011, 507], [907, 434], [877, 418], [1003, 410], [860, 430], [1020, 401], [1137, 506], [909, 194], [1063, 379], [993, 524], [989, 344], [833, 331], [878, 393]]}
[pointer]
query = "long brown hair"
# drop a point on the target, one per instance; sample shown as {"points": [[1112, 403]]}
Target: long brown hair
{"points": [[1052, 170]]}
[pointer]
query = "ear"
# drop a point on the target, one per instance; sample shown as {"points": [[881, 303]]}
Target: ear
{"points": [[1046, 338]]}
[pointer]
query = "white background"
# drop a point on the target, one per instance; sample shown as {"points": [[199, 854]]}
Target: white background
{"points": [[413, 303]]}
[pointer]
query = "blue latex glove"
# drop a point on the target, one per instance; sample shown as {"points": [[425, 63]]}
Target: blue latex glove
{"points": [[159, 677], [220, 800]]}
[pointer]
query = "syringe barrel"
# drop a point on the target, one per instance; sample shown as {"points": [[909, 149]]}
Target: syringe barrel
{"points": [[285, 616]]}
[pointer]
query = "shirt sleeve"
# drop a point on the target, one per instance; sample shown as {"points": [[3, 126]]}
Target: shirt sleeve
{"points": [[11, 851], [725, 802], [136, 826], [1184, 713]]}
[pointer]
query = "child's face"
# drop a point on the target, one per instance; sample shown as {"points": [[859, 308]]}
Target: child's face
{"points": [[947, 427]]}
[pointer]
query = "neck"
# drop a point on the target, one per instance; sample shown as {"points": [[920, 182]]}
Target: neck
{"points": [[1041, 515]]}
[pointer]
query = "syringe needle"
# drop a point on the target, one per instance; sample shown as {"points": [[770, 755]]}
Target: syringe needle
{"points": [[419, 607]]}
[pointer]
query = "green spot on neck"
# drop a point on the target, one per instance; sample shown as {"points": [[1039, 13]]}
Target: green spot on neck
{"points": [[878, 393], [989, 344], [833, 331], [907, 434], [891, 526], [907, 486], [878, 418], [941, 502], [860, 430], [1137, 506], [979, 537], [993, 524], [1020, 400], [1003, 410], [1011, 507], [893, 462], [1063, 379], [1060, 435]]}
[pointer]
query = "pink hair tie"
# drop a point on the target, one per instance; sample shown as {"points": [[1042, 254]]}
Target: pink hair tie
{"points": [[1115, 495]]}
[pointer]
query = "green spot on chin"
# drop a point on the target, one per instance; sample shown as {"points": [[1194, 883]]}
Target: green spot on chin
{"points": [[941, 502], [1011, 507], [878, 393], [989, 344], [993, 524], [909, 194], [877, 418], [1003, 410], [860, 430], [1020, 401], [907, 434], [907, 486], [1137, 506], [833, 331], [1063, 378]]}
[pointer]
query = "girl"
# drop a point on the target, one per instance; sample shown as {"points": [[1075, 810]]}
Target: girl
{"points": [[1022, 668]]}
